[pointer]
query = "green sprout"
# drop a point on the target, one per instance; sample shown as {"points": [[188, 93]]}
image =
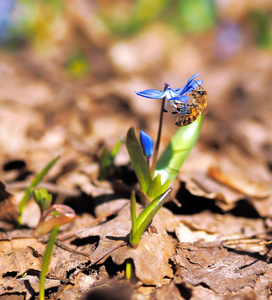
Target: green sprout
{"points": [[42, 198], [140, 224], [107, 160], [46, 259], [51, 219], [28, 192]]}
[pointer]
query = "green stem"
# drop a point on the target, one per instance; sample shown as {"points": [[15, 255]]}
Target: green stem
{"points": [[46, 259], [157, 145], [129, 269]]}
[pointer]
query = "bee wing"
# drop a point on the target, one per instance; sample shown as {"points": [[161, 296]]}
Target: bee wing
{"points": [[185, 109]]}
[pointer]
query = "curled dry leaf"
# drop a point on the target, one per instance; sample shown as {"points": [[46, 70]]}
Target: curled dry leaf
{"points": [[240, 183], [224, 226], [199, 184], [187, 234], [228, 177], [8, 208], [263, 207], [150, 258], [57, 214]]}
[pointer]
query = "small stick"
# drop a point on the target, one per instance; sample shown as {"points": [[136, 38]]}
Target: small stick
{"points": [[101, 257]]}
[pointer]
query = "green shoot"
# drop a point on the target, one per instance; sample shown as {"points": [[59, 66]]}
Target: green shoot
{"points": [[107, 160], [140, 224], [42, 198], [33, 184], [46, 259]]}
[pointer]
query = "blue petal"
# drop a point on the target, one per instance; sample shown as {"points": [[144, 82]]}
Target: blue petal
{"points": [[180, 98], [193, 85], [190, 85], [147, 143], [152, 94], [192, 78]]}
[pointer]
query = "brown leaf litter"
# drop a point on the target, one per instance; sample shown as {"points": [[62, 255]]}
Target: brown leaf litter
{"points": [[154, 250], [224, 272]]}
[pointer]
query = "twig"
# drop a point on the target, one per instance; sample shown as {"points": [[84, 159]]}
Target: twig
{"points": [[101, 257]]}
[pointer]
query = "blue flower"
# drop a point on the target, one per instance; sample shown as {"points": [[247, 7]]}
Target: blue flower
{"points": [[147, 143], [173, 95]]}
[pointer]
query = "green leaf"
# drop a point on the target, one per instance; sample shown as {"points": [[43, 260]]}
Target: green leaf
{"points": [[105, 164], [138, 160], [107, 160], [177, 150], [33, 184], [116, 148], [42, 198], [156, 188], [147, 215]]}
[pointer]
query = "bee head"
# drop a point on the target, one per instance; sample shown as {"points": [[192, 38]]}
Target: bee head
{"points": [[201, 93]]}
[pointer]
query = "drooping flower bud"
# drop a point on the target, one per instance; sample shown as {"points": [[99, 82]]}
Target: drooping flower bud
{"points": [[147, 143]]}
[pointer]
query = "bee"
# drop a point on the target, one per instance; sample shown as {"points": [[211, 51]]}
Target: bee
{"points": [[194, 109]]}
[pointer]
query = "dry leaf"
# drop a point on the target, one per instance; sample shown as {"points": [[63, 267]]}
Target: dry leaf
{"points": [[217, 268], [200, 184], [8, 208], [151, 256], [239, 183], [226, 226]]}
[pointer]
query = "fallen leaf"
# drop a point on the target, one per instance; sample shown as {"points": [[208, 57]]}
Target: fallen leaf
{"points": [[185, 234], [239, 183], [226, 226], [217, 268], [200, 184], [150, 258], [8, 208]]}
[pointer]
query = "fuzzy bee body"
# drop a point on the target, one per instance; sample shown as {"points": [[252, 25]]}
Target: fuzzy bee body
{"points": [[191, 111]]}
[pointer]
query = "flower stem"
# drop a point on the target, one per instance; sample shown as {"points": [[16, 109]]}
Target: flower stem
{"points": [[157, 145]]}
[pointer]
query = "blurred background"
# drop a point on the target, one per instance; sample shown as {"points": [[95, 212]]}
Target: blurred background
{"points": [[69, 71]]}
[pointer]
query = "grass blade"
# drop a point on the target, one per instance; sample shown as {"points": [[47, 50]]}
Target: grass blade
{"points": [[33, 184], [46, 259]]}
